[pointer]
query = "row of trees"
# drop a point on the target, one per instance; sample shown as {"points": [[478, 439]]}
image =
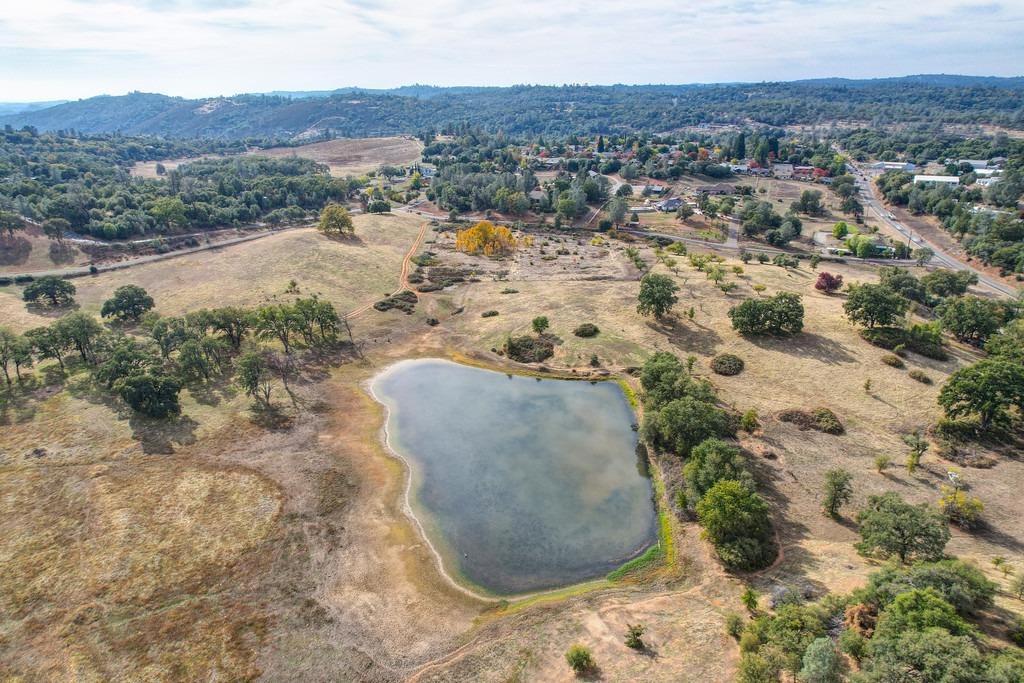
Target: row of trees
{"points": [[681, 417], [148, 372]]}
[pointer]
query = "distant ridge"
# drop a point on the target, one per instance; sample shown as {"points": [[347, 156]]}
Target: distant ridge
{"points": [[528, 109]]}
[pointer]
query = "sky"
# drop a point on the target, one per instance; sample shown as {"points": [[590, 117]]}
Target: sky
{"points": [[70, 49]]}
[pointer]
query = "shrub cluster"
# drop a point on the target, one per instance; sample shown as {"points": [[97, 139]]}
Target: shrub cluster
{"points": [[488, 314], [586, 330], [893, 361], [727, 364], [404, 301], [529, 349], [820, 419], [920, 376], [922, 339]]}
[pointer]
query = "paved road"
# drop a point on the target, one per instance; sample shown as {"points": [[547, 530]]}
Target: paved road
{"points": [[872, 200]]}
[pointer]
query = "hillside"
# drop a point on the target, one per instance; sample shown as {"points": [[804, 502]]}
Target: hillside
{"points": [[545, 110]]}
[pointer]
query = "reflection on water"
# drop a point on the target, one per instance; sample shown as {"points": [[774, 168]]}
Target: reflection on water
{"points": [[521, 484]]}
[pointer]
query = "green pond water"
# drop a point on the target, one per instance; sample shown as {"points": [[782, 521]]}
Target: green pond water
{"points": [[520, 484]]}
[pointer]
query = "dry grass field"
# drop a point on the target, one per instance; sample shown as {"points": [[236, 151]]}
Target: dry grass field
{"points": [[354, 156], [351, 156], [31, 251], [348, 273], [217, 547]]}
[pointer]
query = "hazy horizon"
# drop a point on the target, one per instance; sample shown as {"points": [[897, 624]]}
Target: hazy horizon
{"points": [[74, 49]]}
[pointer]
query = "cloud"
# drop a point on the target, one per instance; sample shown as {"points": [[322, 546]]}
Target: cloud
{"points": [[77, 48]]}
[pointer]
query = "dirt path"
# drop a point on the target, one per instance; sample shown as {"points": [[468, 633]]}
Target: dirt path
{"points": [[81, 271], [403, 278]]}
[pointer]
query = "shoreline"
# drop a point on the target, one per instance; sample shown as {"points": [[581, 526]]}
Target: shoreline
{"points": [[459, 583]]}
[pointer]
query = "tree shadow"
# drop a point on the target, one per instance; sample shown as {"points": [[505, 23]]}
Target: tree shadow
{"points": [[48, 311], [353, 240], [271, 417], [213, 391], [807, 345], [160, 436], [62, 254], [16, 405], [796, 561], [704, 340], [986, 532], [14, 251]]}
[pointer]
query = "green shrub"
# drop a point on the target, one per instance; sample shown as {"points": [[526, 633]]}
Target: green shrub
{"points": [[727, 364], [924, 340], [853, 643], [893, 361], [826, 421], [404, 301], [529, 349], [586, 330], [634, 636], [737, 522], [734, 625], [821, 419], [960, 583], [580, 660], [920, 376], [1016, 632], [509, 290], [748, 422], [488, 314]]}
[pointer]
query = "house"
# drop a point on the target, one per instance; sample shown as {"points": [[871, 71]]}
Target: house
{"points": [[655, 189], [427, 171], [537, 195], [592, 173], [974, 163], [987, 182], [716, 189], [668, 205], [997, 162], [936, 180], [803, 172], [739, 168], [783, 170]]}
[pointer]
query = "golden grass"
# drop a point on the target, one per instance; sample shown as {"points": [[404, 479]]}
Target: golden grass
{"points": [[354, 156], [346, 273]]}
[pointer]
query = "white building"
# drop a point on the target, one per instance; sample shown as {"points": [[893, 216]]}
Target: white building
{"points": [[884, 166], [974, 163], [936, 180]]}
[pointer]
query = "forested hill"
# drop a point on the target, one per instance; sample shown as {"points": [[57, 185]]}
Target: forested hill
{"points": [[547, 110]]}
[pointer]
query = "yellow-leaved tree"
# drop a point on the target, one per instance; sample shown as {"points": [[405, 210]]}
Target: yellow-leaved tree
{"points": [[486, 238]]}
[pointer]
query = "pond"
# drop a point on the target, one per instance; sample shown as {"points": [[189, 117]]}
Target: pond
{"points": [[520, 484]]}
